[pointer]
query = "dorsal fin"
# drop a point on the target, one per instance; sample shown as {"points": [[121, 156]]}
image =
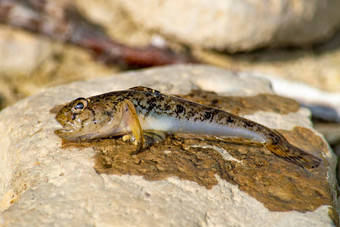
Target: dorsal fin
{"points": [[142, 88]]}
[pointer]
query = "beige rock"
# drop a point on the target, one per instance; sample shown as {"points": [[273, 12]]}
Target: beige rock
{"points": [[319, 69], [109, 15], [44, 182], [311, 76], [238, 25], [29, 63], [43, 63]]}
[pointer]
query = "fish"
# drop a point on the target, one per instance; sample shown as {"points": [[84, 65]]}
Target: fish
{"points": [[145, 116]]}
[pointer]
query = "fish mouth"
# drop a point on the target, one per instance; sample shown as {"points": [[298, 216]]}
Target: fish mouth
{"points": [[67, 126], [69, 134], [66, 130], [63, 132], [72, 133]]}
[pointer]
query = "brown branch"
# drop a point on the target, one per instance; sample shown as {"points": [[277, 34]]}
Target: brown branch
{"points": [[64, 23]]}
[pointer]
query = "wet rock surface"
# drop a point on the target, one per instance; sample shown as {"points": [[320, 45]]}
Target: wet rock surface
{"points": [[183, 181], [276, 184], [261, 175]]}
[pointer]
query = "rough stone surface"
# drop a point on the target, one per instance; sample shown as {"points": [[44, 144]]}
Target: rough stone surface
{"points": [[44, 180], [238, 25]]}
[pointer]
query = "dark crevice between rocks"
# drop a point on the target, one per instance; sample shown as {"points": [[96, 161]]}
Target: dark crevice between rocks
{"points": [[278, 184]]}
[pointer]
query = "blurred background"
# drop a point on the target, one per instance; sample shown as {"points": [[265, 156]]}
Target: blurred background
{"points": [[293, 43]]}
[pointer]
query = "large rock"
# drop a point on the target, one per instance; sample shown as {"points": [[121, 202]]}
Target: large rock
{"points": [[182, 182], [238, 25]]}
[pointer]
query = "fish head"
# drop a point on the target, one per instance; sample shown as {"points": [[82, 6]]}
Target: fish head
{"points": [[85, 119]]}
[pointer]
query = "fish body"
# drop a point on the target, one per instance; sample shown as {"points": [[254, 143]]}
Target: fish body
{"points": [[142, 109]]}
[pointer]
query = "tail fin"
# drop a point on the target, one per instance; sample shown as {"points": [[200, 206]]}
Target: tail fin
{"points": [[294, 155], [279, 146]]}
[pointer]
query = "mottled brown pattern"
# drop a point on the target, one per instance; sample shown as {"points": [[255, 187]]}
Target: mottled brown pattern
{"points": [[149, 101], [279, 185]]}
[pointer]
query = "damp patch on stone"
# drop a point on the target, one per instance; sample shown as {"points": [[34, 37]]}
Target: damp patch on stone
{"points": [[278, 184], [245, 105]]}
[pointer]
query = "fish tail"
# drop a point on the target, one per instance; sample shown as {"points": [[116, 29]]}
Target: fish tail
{"points": [[283, 149]]}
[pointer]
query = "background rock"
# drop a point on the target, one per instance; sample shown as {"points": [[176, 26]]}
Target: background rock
{"points": [[29, 63], [238, 25], [45, 182], [318, 67], [44, 63]]}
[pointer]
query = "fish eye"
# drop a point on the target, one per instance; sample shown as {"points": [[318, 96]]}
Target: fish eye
{"points": [[80, 105]]}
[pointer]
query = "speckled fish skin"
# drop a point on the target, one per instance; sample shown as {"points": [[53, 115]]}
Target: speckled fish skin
{"points": [[102, 117]]}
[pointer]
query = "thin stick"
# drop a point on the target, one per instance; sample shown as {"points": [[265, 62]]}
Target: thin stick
{"points": [[66, 24]]}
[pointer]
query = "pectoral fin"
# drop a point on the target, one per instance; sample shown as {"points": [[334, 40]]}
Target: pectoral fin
{"points": [[152, 137], [132, 120]]}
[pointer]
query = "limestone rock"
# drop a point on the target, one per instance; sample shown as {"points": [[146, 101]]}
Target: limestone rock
{"points": [[238, 25], [109, 16], [311, 76], [319, 67], [323, 105], [182, 182]]}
